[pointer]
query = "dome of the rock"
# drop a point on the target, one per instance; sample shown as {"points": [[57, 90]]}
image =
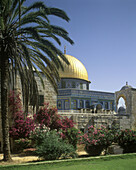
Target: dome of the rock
{"points": [[74, 70]]}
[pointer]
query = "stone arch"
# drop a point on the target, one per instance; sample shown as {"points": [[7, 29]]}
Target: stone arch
{"points": [[121, 102], [59, 104], [123, 96], [81, 104], [121, 105], [129, 96]]}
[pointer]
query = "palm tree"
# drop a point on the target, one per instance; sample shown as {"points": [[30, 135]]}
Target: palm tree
{"points": [[25, 47]]}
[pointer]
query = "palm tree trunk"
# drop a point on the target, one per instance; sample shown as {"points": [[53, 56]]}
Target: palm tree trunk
{"points": [[4, 107]]}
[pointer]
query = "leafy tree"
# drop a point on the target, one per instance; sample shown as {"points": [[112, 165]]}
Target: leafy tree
{"points": [[25, 47]]}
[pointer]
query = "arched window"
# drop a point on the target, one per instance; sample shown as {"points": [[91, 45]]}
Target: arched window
{"points": [[41, 100], [68, 85], [63, 84], [111, 105], [81, 103], [98, 107], [106, 105], [121, 103], [77, 85], [87, 104], [73, 84], [121, 107], [59, 104], [81, 85], [66, 104]]}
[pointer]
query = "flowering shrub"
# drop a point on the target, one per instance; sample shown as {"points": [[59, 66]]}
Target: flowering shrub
{"points": [[50, 118], [115, 131], [47, 119], [97, 136], [21, 144], [14, 102], [126, 137], [127, 140], [67, 123], [96, 139], [21, 127]]}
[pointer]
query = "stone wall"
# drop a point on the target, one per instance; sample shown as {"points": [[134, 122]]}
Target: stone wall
{"points": [[50, 96], [83, 120]]}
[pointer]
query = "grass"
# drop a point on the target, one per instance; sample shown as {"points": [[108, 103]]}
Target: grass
{"points": [[116, 162]]}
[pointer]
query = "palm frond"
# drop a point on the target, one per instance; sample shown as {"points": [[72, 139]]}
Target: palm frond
{"points": [[26, 36], [59, 13]]}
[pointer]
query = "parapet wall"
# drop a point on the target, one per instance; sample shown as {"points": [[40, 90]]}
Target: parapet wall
{"points": [[83, 120]]}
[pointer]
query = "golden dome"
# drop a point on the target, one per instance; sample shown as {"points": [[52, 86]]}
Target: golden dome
{"points": [[75, 70]]}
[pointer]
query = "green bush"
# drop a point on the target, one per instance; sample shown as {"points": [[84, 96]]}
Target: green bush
{"points": [[71, 136], [21, 144], [52, 147], [115, 131]]}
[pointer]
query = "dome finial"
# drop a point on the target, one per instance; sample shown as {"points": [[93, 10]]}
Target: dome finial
{"points": [[64, 49]]}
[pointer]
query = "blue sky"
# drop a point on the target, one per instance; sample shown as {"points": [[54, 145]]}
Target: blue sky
{"points": [[104, 32]]}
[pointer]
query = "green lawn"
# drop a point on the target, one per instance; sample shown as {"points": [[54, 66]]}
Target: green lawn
{"points": [[110, 163]]}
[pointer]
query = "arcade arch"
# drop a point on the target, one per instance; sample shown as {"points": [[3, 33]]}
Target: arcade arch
{"points": [[121, 103], [98, 108]]}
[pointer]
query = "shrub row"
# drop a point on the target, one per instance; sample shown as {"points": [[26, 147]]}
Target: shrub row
{"points": [[100, 138]]}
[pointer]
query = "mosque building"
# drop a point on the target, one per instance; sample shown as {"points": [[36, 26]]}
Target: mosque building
{"points": [[88, 107], [74, 93]]}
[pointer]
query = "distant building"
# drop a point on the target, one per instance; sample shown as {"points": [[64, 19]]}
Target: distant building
{"points": [[74, 93]]}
